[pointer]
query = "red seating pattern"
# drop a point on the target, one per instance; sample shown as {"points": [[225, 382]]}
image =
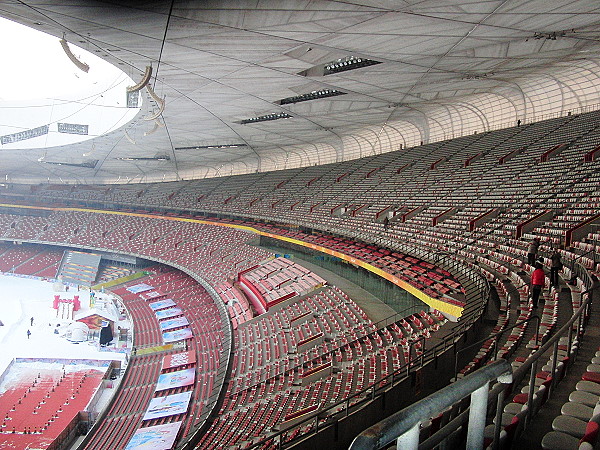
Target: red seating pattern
{"points": [[29, 260], [277, 280]]}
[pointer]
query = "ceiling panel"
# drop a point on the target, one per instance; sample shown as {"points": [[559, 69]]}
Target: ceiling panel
{"points": [[218, 62]]}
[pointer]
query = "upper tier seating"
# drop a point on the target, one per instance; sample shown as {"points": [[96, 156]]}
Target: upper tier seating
{"points": [[403, 182]]}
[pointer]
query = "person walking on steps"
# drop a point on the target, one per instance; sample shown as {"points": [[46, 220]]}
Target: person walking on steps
{"points": [[538, 279], [532, 251], [555, 266]]}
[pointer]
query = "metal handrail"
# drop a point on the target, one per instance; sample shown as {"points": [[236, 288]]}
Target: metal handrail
{"points": [[576, 260], [566, 329], [404, 425], [531, 361]]}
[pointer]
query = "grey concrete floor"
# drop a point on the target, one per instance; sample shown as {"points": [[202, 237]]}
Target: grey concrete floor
{"points": [[371, 305]]}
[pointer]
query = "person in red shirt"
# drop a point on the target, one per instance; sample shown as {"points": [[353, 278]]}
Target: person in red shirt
{"points": [[538, 279]]}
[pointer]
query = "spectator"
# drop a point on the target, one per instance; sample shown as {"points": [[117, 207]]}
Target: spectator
{"points": [[538, 279], [532, 251], [555, 266]]}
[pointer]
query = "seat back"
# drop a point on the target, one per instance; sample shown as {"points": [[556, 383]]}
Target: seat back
{"points": [[538, 399], [511, 432], [521, 421], [546, 384], [591, 433]]}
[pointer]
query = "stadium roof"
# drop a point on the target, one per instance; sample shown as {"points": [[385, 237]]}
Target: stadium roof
{"points": [[260, 85]]}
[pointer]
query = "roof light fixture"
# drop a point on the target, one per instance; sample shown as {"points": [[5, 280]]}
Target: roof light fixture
{"points": [[89, 164], [314, 95], [348, 63], [219, 147], [265, 118], [145, 158]]}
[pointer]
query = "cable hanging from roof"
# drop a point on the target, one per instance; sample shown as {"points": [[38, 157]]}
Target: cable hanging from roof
{"points": [[129, 138], [157, 124]]}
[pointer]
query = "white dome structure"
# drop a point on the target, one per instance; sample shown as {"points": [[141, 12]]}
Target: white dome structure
{"points": [[77, 332]]}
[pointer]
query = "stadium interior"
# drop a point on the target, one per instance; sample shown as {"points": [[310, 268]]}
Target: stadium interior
{"points": [[323, 222]]}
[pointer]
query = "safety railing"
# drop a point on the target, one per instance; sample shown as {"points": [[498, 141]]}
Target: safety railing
{"points": [[577, 267], [530, 364], [404, 426]]}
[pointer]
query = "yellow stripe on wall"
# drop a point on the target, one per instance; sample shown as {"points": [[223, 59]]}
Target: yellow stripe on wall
{"points": [[440, 305]]}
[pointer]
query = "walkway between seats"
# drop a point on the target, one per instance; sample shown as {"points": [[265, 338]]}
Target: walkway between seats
{"points": [[375, 308]]}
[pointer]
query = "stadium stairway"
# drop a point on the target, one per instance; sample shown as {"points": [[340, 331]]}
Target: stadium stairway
{"points": [[542, 422]]}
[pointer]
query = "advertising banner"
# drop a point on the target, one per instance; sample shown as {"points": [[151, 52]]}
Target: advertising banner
{"points": [[179, 359], [168, 405], [180, 378], [177, 335], [150, 295], [158, 437], [166, 313], [173, 323], [161, 304], [138, 288]]}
